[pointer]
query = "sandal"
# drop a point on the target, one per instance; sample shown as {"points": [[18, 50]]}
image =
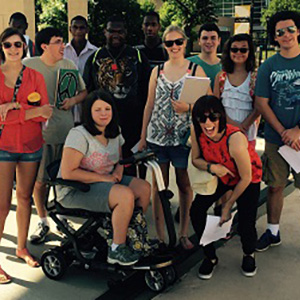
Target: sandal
{"points": [[4, 277], [27, 257], [185, 243]]}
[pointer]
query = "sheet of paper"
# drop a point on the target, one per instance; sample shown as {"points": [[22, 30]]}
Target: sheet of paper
{"points": [[213, 231], [291, 156]]}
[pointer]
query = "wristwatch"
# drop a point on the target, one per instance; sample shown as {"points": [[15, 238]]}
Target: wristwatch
{"points": [[209, 170]]}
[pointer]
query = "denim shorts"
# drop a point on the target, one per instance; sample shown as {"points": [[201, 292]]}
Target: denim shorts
{"points": [[21, 157], [177, 155]]}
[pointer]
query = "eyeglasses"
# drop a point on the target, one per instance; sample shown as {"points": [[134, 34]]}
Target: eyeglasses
{"points": [[58, 43], [7, 45], [212, 116], [236, 50], [178, 42], [291, 29]]}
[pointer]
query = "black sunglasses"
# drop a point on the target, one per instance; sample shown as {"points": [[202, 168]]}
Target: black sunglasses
{"points": [[212, 116], [7, 45], [291, 29], [178, 42], [236, 50]]}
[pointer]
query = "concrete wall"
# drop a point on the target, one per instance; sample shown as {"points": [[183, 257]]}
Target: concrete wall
{"points": [[24, 6]]}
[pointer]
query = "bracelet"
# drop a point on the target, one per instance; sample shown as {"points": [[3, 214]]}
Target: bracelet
{"points": [[208, 169], [17, 105]]}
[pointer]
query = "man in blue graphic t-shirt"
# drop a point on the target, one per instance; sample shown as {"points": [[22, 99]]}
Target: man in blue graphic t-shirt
{"points": [[278, 99]]}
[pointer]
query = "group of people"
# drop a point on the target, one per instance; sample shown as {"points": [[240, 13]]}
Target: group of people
{"points": [[131, 96]]}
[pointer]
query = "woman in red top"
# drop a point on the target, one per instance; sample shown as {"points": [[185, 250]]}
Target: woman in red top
{"points": [[223, 150], [20, 136]]}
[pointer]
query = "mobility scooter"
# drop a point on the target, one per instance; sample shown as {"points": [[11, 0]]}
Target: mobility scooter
{"points": [[87, 247]]}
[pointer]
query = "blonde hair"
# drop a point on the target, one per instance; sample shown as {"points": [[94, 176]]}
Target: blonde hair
{"points": [[172, 28]]}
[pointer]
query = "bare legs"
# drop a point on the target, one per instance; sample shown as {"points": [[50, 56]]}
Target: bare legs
{"points": [[26, 173], [39, 195], [122, 201]]}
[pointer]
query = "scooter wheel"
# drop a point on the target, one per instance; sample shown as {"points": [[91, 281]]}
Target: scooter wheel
{"points": [[169, 274], [155, 280], [54, 264]]}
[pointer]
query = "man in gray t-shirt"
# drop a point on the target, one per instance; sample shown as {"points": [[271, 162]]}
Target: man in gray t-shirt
{"points": [[278, 100], [50, 43]]}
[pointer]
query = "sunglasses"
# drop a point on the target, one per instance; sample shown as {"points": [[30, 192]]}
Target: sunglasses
{"points": [[291, 29], [212, 116], [236, 50], [7, 45], [178, 42]]}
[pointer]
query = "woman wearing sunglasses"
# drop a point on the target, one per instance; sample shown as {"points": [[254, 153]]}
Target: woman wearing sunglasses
{"points": [[223, 150], [166, 122], [235, 84], [20, 135]]}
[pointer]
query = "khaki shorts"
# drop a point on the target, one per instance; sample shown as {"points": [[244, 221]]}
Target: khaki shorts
{"points": [[275, 169], [50, 154]]}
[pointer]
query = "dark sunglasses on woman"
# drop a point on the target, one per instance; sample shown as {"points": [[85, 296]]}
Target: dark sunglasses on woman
{"points": [[212, 116], [291, 29], [236, 50], [7, 45], [178, 42]]}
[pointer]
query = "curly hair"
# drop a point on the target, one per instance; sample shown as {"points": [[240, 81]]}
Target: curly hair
{"points": [[282, 16], [227, 63]]}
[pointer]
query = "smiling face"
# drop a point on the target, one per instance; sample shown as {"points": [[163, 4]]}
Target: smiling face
{"points": [[115, 34], [209, 41], [175, 50], [101, 113], [288, 40], [209, 124], [13, 53], [239, 57], [55, 48]]}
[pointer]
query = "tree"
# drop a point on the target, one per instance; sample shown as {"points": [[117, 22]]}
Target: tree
{"points": [[279, 5], [52, 13], [188, 14], [130, 10]]}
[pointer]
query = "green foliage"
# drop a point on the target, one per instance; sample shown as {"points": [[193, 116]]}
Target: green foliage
{"points": [[187, 14], [130, 10], [279, 5], [52, 13], [147, 5]]}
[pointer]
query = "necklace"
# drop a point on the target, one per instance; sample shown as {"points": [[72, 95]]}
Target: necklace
{"points": [[114, 66]]}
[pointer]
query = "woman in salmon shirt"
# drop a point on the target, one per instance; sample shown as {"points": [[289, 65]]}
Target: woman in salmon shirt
{"points": [[20, 136]]}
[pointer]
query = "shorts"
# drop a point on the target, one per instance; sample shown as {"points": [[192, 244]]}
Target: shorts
{"points": [[178, 155], [6, 156], [50, 154], [96, 199], [275, 169]]}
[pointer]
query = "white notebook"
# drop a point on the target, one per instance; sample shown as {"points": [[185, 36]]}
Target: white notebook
{"points": [[194, 88]]}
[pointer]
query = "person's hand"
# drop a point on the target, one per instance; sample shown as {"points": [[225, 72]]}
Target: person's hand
{"points": [[142, 145], [4, 109], [118, 174], [226, 213], [67, 104], [46, 111], [180, 107], [109, 178], [220, 170], [291, 137]]}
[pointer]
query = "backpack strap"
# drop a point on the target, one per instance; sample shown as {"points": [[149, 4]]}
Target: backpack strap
{"points": [[160, 69], [95, 55], [194, 69], [139, 55]]}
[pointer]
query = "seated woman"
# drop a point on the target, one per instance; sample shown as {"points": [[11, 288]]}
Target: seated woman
{"points": [[91, 155], [223, 150]]}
